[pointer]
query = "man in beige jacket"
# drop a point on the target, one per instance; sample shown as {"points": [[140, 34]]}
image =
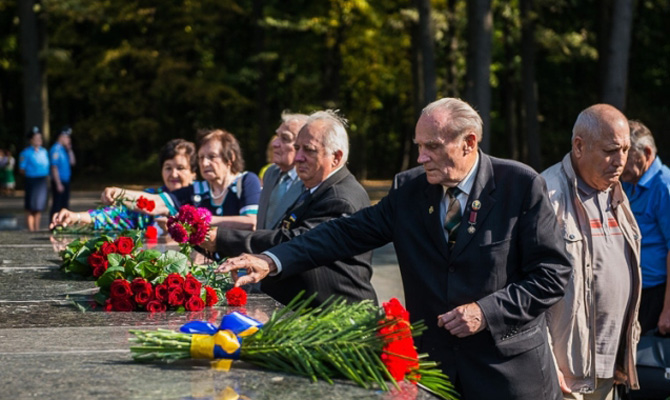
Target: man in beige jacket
{"points": [[593, 329]]}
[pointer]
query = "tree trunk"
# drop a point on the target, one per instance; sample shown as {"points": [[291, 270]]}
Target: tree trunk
{"points": [[35, 94], [427, 46], [451, 80], [508, 96], [265, 131], [417, 95], [618, 46], [529, 91], [478, 90]]}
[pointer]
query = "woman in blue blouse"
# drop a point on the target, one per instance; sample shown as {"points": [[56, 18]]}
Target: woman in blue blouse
{"points": [[178, 163], [34, 165], [229, 192]]}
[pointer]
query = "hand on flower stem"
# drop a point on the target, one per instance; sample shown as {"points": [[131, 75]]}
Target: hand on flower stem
{"points": [[210, 240], [110, 194], [257, 266], [463, 320]]}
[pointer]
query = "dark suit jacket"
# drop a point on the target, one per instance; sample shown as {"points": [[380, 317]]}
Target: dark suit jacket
{"points": [[513, 265], [339, 195], [270, 180]]}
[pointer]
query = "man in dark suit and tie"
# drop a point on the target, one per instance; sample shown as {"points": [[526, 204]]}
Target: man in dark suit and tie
{"points": [[331, 191], [281, 185], [482, 285]]}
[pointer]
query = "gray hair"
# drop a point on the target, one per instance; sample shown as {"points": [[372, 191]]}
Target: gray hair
{"points": [[288, 117], [335, 137], [463, 117], [641, 137], [594, 121]]}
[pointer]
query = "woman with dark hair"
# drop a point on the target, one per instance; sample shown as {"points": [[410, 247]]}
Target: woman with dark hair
{"points": [[34, 165], [229, 192], [178, 163]]}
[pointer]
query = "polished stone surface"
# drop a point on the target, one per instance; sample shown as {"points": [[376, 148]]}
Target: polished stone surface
{"points": [[53, 345]]}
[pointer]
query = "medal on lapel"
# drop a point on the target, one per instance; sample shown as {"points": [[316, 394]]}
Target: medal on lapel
{"points": [[430, 210], [475, 206]]}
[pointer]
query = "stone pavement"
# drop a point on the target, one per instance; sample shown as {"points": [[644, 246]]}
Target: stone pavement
{"points": [[50, 349]]}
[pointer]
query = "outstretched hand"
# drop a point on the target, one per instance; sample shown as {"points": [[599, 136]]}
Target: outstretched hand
{"points": [[257, 266]]}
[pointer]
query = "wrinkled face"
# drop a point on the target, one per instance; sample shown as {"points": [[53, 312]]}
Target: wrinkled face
{"points": [[212, 166], [636, 166], [283, 153], [601, 162], [176, 172], [447, 161], [313, 164]]}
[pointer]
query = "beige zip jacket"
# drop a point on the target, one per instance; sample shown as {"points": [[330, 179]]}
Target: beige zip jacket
{"points": [[570, 319]]}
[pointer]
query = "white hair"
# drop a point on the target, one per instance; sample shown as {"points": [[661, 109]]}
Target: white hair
{"points": [[463, 118], [335, 137]]}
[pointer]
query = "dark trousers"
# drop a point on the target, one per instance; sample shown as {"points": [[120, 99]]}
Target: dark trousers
{"points": [[60, 200], [651, 305]]}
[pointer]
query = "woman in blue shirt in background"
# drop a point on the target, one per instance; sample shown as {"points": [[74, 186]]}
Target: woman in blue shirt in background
{"points": [[34, 165]]}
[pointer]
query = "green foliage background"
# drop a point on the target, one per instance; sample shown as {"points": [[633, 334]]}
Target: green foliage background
{"points": [[129, 75]]}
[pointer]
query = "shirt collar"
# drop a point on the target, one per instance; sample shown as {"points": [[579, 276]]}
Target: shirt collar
{"points": [[292, 174], [645, 179], [465, 186], [312, 190]]}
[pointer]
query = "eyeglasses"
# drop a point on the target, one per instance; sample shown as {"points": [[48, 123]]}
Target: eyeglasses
{"points": [[210, 157]]}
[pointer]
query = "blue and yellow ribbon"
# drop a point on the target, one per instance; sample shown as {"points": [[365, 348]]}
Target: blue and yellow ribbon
{"points": [[223, 342]]}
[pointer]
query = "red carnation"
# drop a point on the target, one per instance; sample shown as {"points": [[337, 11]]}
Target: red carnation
{"points": [[192, 286], [151, 232], [211, 297], [120, 304], [145, 204], [120, 289], [108, 248], [124, 245], [161, 293], [174, 279], [236, 297], [399, 354], [176, 296], [156, 306], [194, 303], [108, 305]]}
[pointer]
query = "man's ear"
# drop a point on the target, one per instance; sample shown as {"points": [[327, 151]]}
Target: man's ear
{"points": [[469, 142], [337, 158], [578, 147], [647, 152]]}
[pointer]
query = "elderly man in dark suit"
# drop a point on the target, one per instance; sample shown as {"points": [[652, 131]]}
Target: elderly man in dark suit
{"points": [[281, 185], [331, 191], [482, 282]]}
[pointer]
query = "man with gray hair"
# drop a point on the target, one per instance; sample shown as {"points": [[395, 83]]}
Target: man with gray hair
{"points": [[479, 252], [331, 191], [647, 184], [593, 329], [281, 185]]}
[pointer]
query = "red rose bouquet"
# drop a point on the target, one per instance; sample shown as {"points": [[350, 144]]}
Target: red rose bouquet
{"points": [[92, 257], [174, 292], [361, 342], [189, 227]]}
